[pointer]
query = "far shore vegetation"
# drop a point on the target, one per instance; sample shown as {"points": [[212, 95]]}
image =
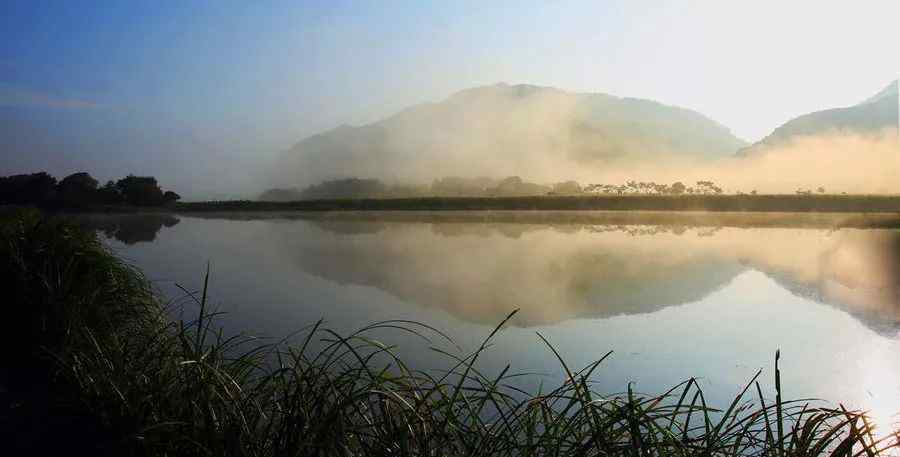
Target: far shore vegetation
{"points": [[514, 193], [97, 363], [81, 191], [513, 186]]}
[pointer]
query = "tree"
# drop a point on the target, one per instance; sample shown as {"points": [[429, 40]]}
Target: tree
{"points": [[633, 186], [677, 188], [170, 197], [140, 190], [33, 189], [567, 188], [109, 194], [708, 187], [80, 180], [514, 186], [345, 188], [820, 190], [78, 190]]}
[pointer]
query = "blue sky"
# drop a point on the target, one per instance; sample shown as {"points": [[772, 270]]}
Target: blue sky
{"points": [[203, 93]]}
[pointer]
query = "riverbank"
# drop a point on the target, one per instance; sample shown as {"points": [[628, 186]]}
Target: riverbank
{"points": [[715, 203], [153, 384], [756, 219], [864, 204]]}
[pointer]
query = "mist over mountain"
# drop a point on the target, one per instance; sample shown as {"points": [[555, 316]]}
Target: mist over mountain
{"points": [[872, 117], [540, 137], [541, 133]]}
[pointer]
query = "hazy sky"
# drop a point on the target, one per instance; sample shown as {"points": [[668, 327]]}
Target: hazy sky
{"points": [[198, 92]]}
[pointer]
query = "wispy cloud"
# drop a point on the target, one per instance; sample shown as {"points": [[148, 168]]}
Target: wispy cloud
{"points": [[18, 96]]}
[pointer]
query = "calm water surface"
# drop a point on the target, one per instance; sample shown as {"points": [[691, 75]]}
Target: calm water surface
{"points": [[673, 296]]}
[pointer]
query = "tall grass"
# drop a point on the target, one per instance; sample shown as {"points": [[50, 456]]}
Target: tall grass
{"points": [[169, 387], [56, 279]]}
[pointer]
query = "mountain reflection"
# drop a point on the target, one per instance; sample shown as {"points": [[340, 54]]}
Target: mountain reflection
{"points": [[479, 271]]}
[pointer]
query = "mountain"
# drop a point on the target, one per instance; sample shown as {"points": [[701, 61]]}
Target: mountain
{"points": [[870, 117], [540, 133]]}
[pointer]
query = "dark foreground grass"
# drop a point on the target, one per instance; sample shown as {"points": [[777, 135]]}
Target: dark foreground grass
{"points": [[158, 386]]}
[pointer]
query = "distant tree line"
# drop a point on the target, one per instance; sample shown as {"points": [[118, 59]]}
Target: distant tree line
{"points": [[652, 188], [81, 190], [443, 187], [453, 186], [513, 186]]}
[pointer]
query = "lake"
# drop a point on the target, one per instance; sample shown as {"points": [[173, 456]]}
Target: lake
{"points": [[673, 295]]}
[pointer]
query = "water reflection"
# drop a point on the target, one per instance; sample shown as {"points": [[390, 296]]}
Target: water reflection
{"points": [[567, 265], [127, 228], [479, 271], [856, 270]]}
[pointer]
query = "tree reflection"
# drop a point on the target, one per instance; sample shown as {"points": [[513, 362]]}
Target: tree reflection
{"points": [[128, 228]]}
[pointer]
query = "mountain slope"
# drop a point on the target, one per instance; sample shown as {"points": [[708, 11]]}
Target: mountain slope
{"points": [[872, 116], [540, 133]]}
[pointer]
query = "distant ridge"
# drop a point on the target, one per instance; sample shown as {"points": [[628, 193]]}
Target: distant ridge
{"points": [[872, 116], [892, 91], [511, 129]]}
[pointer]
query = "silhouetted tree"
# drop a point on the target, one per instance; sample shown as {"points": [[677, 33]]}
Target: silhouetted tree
{"points": [[170, 197], [140, 190], [80, 190], [77, 190], [632, 185], [708, 187], [677, 188], [109, 194], [31, 189]]}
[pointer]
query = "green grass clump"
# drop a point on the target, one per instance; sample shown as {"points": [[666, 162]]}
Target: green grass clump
{"points": [[57, 279], [161, 386]]}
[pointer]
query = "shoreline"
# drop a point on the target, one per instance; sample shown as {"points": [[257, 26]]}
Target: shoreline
{"points": [[687, 219], [668, 203]]}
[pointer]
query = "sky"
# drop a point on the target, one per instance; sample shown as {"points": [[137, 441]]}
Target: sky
{"points": [[204, 94]]}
